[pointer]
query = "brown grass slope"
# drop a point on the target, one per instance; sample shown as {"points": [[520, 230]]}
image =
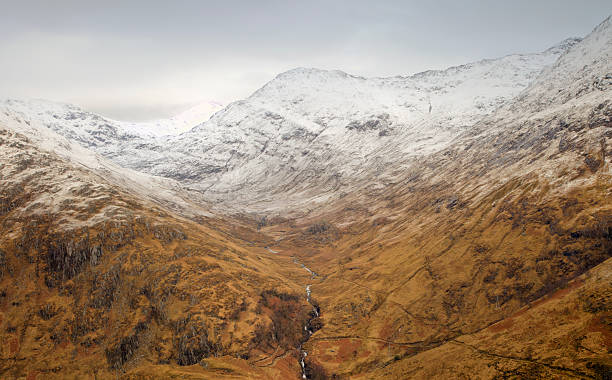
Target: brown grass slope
{"points": [[95, 282], [513, 213]]}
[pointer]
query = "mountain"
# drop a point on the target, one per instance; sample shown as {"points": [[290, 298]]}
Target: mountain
{"points": [[329, 226], [99, 275], [309, 134], [489, 257]]}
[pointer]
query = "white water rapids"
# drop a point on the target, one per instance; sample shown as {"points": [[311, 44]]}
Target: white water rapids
{"points": [[303, 352]]}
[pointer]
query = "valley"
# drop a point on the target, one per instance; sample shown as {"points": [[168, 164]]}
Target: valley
{"points": [[449, 224]]}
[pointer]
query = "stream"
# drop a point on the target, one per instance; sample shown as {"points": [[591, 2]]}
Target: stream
{"points": [[307, 327]]}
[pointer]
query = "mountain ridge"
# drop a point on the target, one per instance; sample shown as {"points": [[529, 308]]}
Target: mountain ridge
{"points": [[325, 236], [329, 121]]}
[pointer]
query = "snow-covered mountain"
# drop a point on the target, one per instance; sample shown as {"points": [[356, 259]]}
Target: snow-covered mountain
{"points": [[572, 93], [562, 119], [93, 130], [306, 134], [67, 132], [459, 216], [529, 184]]}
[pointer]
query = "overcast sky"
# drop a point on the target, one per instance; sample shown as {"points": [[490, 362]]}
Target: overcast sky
{"points": [[141, 60]]}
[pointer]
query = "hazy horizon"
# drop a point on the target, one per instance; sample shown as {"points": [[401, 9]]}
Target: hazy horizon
{"points": [[149, 60]]}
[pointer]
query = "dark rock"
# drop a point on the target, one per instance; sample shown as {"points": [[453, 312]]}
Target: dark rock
{"points": [[564, 144], [592, 163], [452, 202], [379, 122], [192, 344], [121, 353], [3, 263], [47, 312]]}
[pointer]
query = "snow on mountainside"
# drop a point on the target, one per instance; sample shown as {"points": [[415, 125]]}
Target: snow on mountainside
{"points": [[308, 133], [577, 84], [37, 130], [587, 67], [313, 133], [91, 129], [562, 120], [176, 124]]}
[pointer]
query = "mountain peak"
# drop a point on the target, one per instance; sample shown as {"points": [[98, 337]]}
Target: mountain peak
{"points": [[605, 24], [564, 45], [301, 73]]}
